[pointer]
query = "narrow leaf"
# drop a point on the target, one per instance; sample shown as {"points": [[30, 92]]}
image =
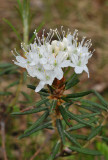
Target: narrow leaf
{"points": [[94, 132], [88, 115], [35, 110], [74, 117], [93, 104], [44, 93], [37, 30], [53, 105], [28, 98], [5, 93], [5, 65], [64, 115], [54, 151], [19, 6], [8, 70], [13, 28], [82, 137], [90, 108], [105, 139], [72, 139], [72, 82], [41, 102], [76, 95], [44, 125], [78, 126], [60, 130], [13, 84], [85, 151], [31, 86], [39, 121], [102, 100]]}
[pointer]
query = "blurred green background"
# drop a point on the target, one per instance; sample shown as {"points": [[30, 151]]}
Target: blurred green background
{"points": [[90, 17]]}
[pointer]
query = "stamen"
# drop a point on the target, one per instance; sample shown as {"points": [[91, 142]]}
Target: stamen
{"points": [[51, 37], [83, 39], [23, 48], [16, 52], [58, 34], [63, 32], [13, 53], [38, 38]]}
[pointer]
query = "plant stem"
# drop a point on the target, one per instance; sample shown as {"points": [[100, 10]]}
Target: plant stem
{"points": [[3, 139], [25, 30], [25, 16]]}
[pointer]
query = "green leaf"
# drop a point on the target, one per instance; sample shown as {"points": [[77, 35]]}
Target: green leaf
{"points": [[47, 103], [39, 121], [31, 111], [90, 108], [50, 127], [19, 6], [72, 82], [41, 102], [94, 132], [5, 65], [60, 130], [93, 104], [78, 126], [74, 117], [37, 30], [64, 114], [8, 70], [72, 139], [67, 104], [53, 105], [82, 137], [43, 93], [102, 100], [44, 125], [85, 151], [88, 115], [13, 84], [76, 95], [28, 98], [105, 139], [54, 151], [5, 93], [13, 28], [31, 86]]}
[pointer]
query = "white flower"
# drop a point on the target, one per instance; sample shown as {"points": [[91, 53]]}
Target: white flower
{"points": [[45, 58]]}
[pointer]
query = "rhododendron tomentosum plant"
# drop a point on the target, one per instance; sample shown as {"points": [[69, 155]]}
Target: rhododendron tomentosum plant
{"points": [[45, 60]]}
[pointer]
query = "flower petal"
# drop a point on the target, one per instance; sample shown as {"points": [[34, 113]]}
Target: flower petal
{"points": [[20, 59], [86, 70], [59, 73], [40, 86], [65, 63], [78, 69]]}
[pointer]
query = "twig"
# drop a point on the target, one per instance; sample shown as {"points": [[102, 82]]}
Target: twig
{"points": [[3, 139]]}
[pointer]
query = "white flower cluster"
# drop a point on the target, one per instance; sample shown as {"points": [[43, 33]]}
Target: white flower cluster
{"points": [[45, 58]]}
